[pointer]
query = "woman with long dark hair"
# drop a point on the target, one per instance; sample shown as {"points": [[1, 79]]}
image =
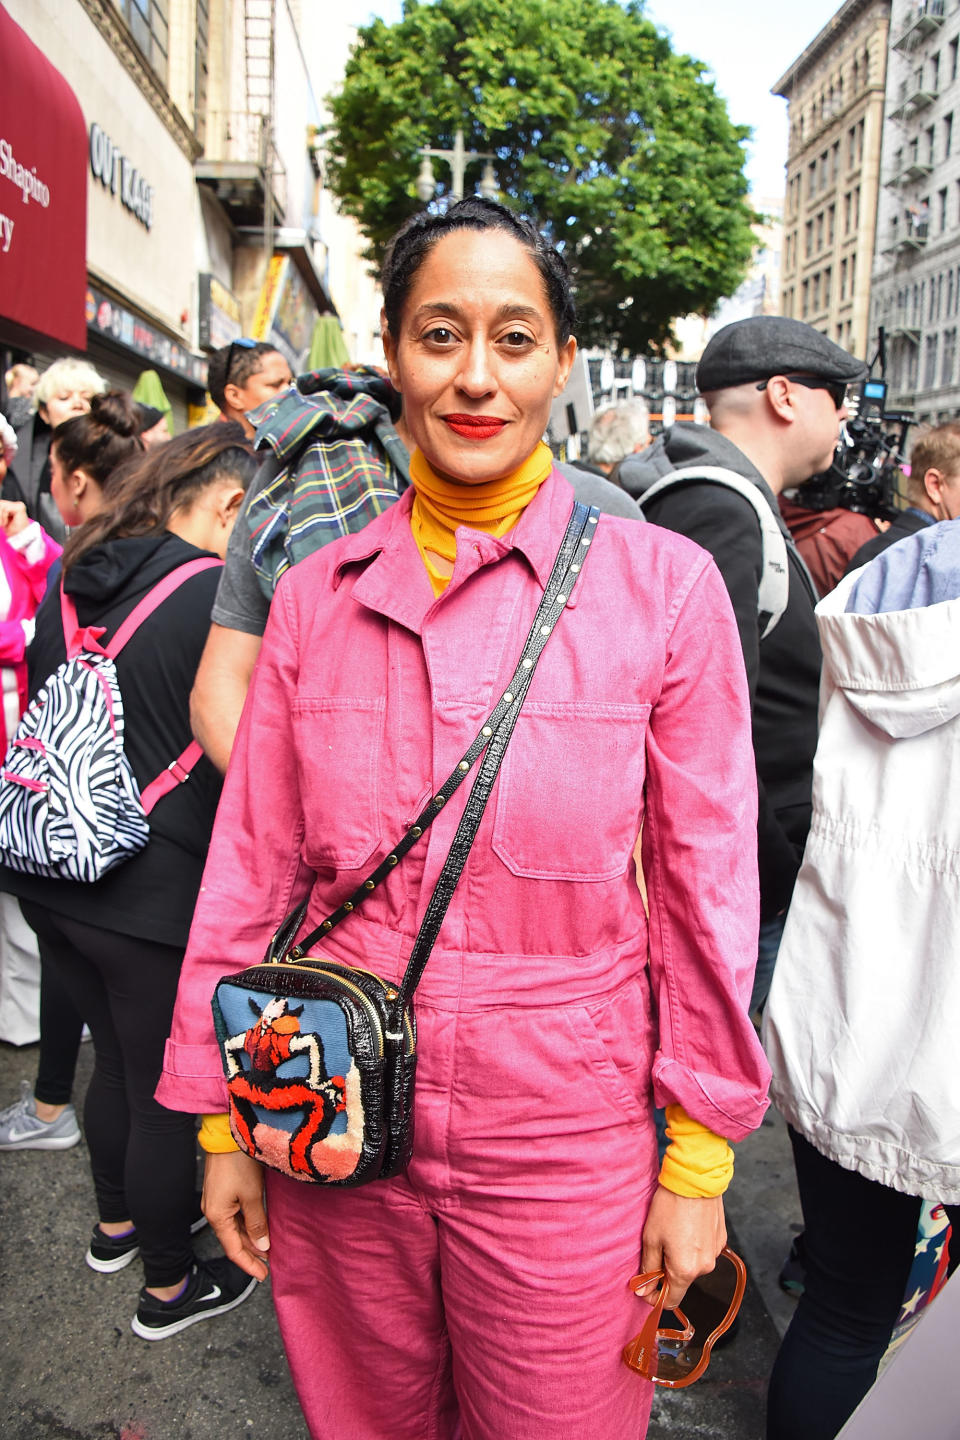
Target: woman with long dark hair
{"points": [[117, 944], [484, 1291]]}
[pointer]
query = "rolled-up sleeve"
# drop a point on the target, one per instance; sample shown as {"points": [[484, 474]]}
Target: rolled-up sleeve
{"points": [[700, 866], [254, 873]]}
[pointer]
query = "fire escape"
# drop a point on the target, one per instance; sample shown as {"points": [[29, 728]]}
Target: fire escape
{"points": [[241, 164]]}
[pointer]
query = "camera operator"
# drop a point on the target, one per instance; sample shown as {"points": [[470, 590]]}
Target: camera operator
{"points": [[933, 490]]}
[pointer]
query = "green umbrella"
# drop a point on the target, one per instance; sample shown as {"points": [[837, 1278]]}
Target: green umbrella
{"points": [[328, 350]]}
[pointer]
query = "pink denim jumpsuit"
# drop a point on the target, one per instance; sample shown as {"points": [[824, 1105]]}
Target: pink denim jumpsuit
{"points": [[483, 1294]]}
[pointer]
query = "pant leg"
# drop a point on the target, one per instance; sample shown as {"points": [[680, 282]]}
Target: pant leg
{"points": [[19, 976], [143, 1156], [859, 1239], [61, 1026], [355, 1278], [77, 985]]}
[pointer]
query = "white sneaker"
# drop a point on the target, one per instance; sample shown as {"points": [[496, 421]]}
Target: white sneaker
{"points": [[22, 1129]]}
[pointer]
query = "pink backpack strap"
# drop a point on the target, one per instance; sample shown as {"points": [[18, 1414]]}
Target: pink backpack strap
{"points": [[150, 602], [75, 637], [176, 773]]}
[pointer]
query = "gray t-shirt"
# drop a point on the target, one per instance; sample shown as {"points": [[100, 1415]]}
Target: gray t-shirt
{"points": [[242, 605]]}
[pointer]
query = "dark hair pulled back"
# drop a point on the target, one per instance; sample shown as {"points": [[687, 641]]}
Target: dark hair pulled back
{"points": [[141, 496], [412, 243], [99, 441]]}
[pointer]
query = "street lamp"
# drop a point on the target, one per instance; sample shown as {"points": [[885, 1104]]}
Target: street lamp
{"points": [[458, 159]]}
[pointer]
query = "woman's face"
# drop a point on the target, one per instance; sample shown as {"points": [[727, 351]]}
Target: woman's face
{"points": [[65, 404], [477, 360]]}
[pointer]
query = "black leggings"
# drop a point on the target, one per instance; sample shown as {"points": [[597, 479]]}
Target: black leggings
{"points": [[143, 1157], [859, 1240], [61, 1026]]}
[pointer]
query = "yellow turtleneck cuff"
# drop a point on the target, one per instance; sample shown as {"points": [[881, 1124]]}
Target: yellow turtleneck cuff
{"points": [[440, 506], [697, 1163]]}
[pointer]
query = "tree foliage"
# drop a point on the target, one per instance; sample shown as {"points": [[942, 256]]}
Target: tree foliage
{"points": [[616, 146]]}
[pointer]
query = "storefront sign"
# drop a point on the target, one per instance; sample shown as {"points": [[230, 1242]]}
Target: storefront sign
{"points": [[286, 312], [120, 176], [43, 194], [219, 318], [106, 317]]}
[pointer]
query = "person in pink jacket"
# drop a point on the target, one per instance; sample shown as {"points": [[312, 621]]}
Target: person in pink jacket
{"points": [[26, 555], [483, 1293]]}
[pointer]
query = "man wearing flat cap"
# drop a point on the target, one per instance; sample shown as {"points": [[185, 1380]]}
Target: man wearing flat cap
{"points": [[776, 390]]}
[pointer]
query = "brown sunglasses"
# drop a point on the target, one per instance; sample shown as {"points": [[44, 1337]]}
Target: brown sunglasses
{"points": [[678, 1357]]}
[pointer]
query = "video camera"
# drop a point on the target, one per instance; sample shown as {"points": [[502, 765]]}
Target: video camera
{"points": [[865, 473]]}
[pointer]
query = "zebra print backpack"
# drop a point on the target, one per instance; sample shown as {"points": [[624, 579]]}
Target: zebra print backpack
{"points": [[69, 804]]}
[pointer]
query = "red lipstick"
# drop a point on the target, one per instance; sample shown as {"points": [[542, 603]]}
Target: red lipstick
{"points": [[475, 427]]}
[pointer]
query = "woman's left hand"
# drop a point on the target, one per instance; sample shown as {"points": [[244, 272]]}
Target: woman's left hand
{"points": [[682, 1237]]}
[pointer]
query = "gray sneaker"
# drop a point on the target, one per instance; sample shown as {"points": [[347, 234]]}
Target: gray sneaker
{"points": [[22, 1129]]}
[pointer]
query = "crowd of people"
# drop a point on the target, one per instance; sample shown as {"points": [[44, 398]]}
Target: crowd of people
{"points": [[725, 803]]}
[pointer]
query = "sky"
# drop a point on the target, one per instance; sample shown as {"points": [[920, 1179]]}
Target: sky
{"points": [[747, 45]]}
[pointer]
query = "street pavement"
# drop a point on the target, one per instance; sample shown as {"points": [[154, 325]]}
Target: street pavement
{"points": [[71, 1368]]}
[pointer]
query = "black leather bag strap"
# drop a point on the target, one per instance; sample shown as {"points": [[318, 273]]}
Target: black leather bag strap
{"points": [[492, 738]]}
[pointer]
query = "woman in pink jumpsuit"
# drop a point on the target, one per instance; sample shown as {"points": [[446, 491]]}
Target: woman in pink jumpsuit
{"points": [[483, 1293]]}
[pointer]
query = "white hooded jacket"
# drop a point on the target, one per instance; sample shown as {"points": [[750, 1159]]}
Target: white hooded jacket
{"points": [[862, 1027]]}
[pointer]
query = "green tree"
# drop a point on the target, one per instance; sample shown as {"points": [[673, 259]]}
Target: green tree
{"points": [[614, 144]]}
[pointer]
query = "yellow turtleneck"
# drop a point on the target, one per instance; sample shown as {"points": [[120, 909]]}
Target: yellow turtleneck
{"points": [[440, 506]]}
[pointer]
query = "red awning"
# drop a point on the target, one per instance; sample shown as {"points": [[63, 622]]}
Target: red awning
{"points": [[43, 194]]}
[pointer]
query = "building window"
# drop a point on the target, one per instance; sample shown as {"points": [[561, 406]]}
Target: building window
{"points": [[846, 213], [843, 280], [816, 292], [948, 356], [856, 208], [835, 163], [949, 292], [952, 60], [947, 135], [147, 21], [807, 239], [824, 162], [932, 312], [811, 178], [853, 274], [831, 224], [860, 143], [851, 147], [929, 145], [942, 197], [819, 232], [805, 299], [930, 363], [935, 72], [827, 287], [201, 67]]}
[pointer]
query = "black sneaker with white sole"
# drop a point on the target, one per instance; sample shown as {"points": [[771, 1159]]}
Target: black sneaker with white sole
{"points": [[213, 1288], [110, 1253]]}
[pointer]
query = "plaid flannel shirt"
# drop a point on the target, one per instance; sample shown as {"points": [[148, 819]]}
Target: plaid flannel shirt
{"points": [[341, 462]]}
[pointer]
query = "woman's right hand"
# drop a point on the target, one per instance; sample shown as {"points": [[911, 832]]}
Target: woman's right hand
{"points": [[13, 517], [233, 1203]]}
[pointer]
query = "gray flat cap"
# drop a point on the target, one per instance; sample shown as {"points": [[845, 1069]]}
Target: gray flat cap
{"points": [[765, 345]]}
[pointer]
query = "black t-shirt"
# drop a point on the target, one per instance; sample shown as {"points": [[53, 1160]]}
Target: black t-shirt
{"points": [[153, 894]]}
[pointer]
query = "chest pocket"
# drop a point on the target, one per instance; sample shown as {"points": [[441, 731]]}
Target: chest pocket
{"points": [[570, 791], [339, 742]]}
